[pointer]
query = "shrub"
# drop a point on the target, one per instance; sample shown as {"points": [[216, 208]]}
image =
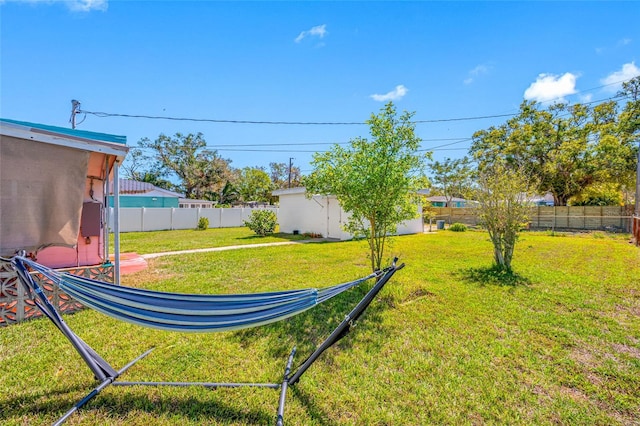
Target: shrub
{"points": [[458, 227], [262, 222], [203, 224]]}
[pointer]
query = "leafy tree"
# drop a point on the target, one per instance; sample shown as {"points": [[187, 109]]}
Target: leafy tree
{"points": [[452, 178], [375, 180], [630, 125], [228, 194], [568, 148], [551, 144], [202, 172], [503, 208], [136, 167], [601, 194], [280, 175], [253, 184]]}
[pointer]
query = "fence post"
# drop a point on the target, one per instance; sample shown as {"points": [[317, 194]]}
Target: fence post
{"points": [[601, 217]]}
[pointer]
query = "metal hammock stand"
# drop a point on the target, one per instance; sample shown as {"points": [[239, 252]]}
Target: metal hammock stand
{"points": [[189, 313]]}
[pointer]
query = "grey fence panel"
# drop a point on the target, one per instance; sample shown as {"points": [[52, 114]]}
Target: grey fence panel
{"points": [[614, 218]]}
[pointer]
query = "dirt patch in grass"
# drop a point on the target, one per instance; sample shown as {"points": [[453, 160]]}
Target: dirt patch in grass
{"points": [[583, 357], [416, 295], [628, 350]]}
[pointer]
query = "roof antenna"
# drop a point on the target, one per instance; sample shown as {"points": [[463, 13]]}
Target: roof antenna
{"points": [[75, 109]]}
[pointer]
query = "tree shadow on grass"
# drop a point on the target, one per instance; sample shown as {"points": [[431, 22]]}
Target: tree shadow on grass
{"points": [[199, 409], [493, 275], [121, 401]]}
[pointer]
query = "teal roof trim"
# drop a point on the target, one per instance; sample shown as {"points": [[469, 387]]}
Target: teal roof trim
{"points": [[84, 134]]}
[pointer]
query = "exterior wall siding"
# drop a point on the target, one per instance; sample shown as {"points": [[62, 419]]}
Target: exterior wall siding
{"points": [[145, 201]]}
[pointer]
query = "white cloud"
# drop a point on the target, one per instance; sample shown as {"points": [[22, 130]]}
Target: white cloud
{"points": [[318, 31], [87, 5], [548, 87], [614, 80], [586, 98], [73, 5], [394, 95], [624, 42], [476, 72]]}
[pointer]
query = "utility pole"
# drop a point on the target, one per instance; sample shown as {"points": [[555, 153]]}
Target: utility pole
{"points": [[291, 165], [75, 109]]}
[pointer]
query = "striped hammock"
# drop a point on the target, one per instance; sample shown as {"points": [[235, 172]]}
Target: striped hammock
{"points": [[189, 312]]}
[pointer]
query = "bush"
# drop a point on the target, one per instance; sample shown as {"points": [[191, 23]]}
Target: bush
{"points": [[203, 224], [262, 222], [458, 227]]}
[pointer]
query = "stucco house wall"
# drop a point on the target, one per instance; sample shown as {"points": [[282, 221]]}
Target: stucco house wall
{"points": [[322, 215], [48, 183]]}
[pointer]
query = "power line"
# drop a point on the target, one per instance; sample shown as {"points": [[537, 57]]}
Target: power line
{"points": [[212, 120], [321, 123], [298, 123]]}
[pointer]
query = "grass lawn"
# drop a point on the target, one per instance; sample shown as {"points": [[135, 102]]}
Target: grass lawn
{"points": [[441, 345], [164, 241]]}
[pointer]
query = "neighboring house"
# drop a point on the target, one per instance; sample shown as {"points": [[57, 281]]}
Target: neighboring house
{"points": [[134, 193], [143, 194], [539, 200], [322, 215], [53, 183], [442, 201], [186, 203]]}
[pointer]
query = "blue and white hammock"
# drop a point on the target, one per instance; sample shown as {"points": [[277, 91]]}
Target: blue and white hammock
{"points": [[189, 312]]}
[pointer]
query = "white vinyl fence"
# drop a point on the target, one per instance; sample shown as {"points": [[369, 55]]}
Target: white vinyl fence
{"points": [[139, 219]]}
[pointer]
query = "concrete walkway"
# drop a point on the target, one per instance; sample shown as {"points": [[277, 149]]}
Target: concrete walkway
{"points": [[225, 248]]}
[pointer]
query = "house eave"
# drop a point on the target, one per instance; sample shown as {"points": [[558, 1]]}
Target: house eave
{"points": [[27, 132]]}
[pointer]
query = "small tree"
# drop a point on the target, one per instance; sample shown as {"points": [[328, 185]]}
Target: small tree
{"points": [[262, 222], [376, 181], [254, 184], [503, 208], [452, 178]]}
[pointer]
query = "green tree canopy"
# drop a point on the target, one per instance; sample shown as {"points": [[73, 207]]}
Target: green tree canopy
{"points": [[452, 178], [202, 172], [375, 180], [281, 176], [567, 147], [254, 184]]}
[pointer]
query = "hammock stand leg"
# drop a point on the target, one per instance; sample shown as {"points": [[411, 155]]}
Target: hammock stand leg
{"points": [[346, 325], [283, 389], [100, 368], [106, 382]]}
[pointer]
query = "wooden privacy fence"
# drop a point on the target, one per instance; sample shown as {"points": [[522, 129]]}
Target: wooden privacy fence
{"points": [[609, 218]]}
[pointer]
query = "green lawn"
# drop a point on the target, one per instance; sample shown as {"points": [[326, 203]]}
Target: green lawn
{"points": [[439, 346], [164, 241]]}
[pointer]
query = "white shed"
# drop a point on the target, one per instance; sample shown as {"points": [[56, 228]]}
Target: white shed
{"points": [[323, 215]]}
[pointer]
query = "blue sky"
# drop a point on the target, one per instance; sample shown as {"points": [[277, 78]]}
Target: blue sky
{"points": [[306, 62]]}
